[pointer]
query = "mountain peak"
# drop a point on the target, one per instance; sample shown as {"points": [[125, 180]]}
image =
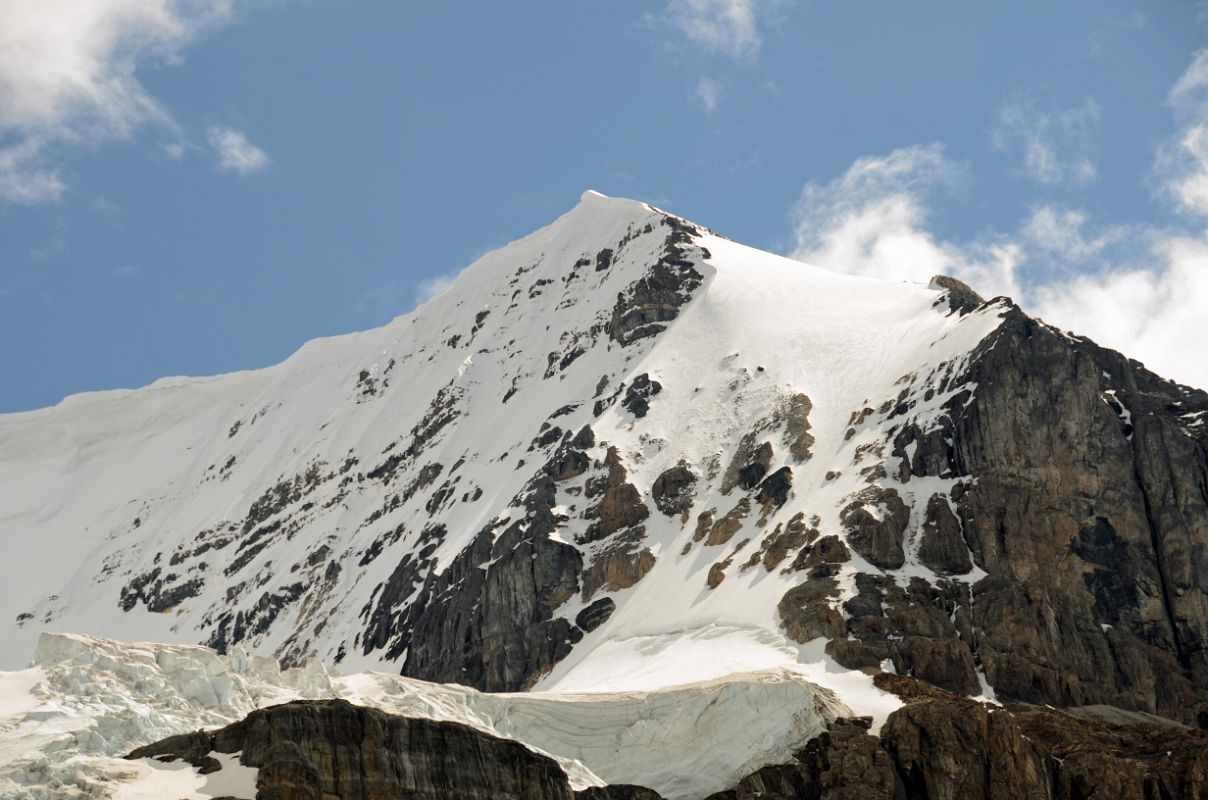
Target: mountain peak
{"points": [[618, 453]]}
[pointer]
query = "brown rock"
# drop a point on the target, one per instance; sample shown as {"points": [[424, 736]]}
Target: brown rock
{"points": [[877, 537], [797, 426], [730, 524], [942, 547], [314, 750], [620, 504], [617, 568], [674, 490]]}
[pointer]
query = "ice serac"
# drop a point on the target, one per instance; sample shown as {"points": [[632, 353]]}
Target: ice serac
{"points": [[625, 453], [67, 722]]}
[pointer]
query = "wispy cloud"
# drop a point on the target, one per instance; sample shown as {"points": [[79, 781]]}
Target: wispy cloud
{"points": [[235, 153], [68, 79], [1183, 163], [1192, 82], [25, 178], [433, 287], [1056, 146], [1064, 236], [1140, 289], [732, 28], [708, 92]]}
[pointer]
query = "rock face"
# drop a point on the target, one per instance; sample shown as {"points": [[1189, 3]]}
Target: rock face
{"points": [[940, 746], [1070, 553], [1090, 513], [321, 750], [488, 619], [878, 536]]}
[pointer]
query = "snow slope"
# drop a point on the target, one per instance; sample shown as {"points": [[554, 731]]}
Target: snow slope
{"points": [[274, 509]]}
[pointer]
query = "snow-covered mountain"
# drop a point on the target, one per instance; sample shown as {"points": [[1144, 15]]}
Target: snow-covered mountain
{"points": [[625, 453], [298, 510]]}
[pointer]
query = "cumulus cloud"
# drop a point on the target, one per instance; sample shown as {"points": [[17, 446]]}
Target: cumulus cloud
{"points": [[235, 153], [1156, 313], [67, 78], [1143, 291], [872, 221], [1056, 147]]}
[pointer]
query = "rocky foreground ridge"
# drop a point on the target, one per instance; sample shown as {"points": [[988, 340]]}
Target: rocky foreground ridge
{"points": [[938, 745]]}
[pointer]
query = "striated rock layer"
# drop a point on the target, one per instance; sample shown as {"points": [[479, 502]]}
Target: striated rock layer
{"points": [[313, 750], [939, 746]]}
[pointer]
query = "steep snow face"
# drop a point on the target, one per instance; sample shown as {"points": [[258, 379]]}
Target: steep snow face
{"points": [[65, 723], [694, 436]]}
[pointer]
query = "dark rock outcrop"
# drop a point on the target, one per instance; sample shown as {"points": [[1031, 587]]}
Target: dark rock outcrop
{"points": [[1092, 523], [657, 297], [942, 546], [674, 490], [619, 565], [774, 489], [959, 295], [321, 750], [620, 503], [487, 620], [596, 614], [638, 395], [877, 535], [940, 746]]}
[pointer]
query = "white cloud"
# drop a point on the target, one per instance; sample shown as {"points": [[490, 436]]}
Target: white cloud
{"points": [[1061, 234], [1193, 80], [709, 92], [1156, 313], [1142, 291], [67, 77], [1183, 164], [1187, 165], [873, 221], [24, 178], [1057, 147], [235, 152], [724, 26], [731, 28]]}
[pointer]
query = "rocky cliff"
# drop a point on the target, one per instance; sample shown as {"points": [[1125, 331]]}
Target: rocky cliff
{"points": [[1081, 501]]}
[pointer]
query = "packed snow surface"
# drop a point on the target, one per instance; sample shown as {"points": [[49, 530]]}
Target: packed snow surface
{"points": [[66, 722]]}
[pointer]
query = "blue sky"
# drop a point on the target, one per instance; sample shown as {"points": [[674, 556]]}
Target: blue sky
{"points": [[197, 187]]}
